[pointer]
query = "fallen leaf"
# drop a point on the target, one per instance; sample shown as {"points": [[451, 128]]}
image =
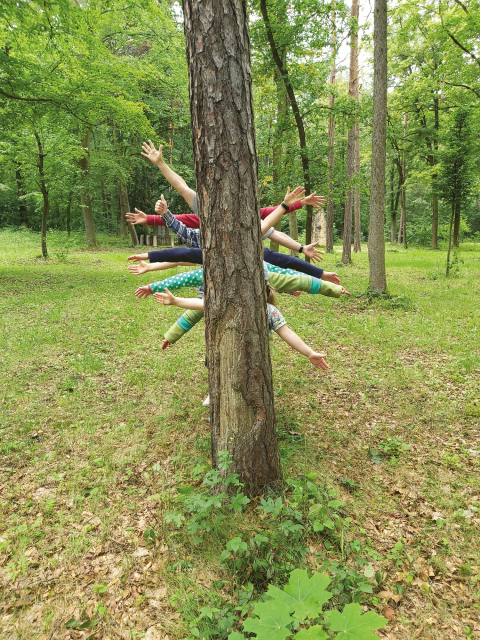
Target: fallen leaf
{"points": [[389, 613], [140, 552]]}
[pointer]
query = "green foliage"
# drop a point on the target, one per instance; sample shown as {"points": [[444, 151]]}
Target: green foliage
{"points": [[301, 602], [353, 625]]}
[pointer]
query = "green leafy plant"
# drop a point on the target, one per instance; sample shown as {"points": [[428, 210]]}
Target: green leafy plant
{"points": [[300, 604]]}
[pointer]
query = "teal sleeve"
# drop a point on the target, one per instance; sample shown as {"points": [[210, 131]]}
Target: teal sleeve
{"points": [[185, 279], [186, 322]]}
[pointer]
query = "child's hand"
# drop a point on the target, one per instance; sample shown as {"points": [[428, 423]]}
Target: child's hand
{"points": [[312, 253], [314, 200], [165, 298], [143, 292], [165, 344], [137, 269], [149, 151], [296, 294], [138, 257], [317, 359], [292, 197], [136, 218], [330, 276], [345, 292], [161, 206]]}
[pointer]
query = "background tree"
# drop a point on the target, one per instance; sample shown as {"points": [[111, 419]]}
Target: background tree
{"points": [[376, 240]]}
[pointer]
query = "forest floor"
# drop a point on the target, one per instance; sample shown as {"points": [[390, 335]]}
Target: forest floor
{"points": [[99, 428]]}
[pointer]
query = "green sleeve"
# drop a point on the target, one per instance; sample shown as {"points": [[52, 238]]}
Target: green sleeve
{"points": [[330, 290], [186, 322]]}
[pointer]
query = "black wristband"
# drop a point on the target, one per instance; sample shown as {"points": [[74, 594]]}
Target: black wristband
{"points": [[286, 207], [301, 249]]}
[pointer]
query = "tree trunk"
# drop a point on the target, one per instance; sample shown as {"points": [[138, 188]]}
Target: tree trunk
{"points": [[393, 211], [282, 68], [44, 190], [447, 273], [357, 244], [85, 193], [436, 111], [124, 208], [376, 240], [354, 94], [331, 139], [104, 202], [456, 224], [277, 152], [68, 213], [22, 204], [434, 219], [293, 229], [242, 414]]}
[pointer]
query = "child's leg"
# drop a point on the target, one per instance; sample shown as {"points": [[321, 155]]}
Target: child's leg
{"points": [[186, 279], [291, 262], [177, 254]]}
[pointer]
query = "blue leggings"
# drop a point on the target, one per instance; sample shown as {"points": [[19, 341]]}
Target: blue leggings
{"points": [[185, 254]]}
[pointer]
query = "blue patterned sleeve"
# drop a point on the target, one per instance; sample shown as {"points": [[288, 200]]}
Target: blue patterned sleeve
{"points": [[190, 237]]}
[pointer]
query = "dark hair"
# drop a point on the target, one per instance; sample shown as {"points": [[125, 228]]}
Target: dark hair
{"points": [[271, 294]]}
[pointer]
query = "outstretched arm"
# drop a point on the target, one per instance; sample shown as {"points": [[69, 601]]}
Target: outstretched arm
{"points": [[167, 298], [272, 219], [309, 250], [144, 267], [291, 338], [156, 157]]}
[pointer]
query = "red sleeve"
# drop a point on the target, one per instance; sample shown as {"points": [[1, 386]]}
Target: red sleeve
{"points": [[267, 210], [189, 220]]}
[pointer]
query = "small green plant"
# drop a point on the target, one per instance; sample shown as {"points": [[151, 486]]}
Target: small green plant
{"points": [[300, 604], [393, 447]]}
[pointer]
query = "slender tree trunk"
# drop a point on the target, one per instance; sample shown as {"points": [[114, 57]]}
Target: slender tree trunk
{"points": [[44, 190], [354, 94], [331, 138], [376, 239], [124, 208], [434, 219], [436, 111], [357, 244], [277, 153], [404, 179], [22, 204], [456, 224], [296, 114], [293, 229], [242, 414], [104, 202], [447, 273], [85, 193], [393, 211], [69, 211]]}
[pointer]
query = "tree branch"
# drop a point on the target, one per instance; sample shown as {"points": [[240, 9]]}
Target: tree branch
{"points": [[465, 86]]}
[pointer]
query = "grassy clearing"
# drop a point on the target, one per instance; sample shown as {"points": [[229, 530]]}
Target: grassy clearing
{"points": [[99, 428]]}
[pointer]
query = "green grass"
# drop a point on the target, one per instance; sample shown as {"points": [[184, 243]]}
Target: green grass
{"points": [[95, 420]]}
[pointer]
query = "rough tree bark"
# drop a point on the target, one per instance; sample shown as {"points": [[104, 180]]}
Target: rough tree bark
{"points": [[354, 93], [282, 68], [85, 193], [331, 138], [376, 240], [242, 411], [44, 190], [456, 224]]}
